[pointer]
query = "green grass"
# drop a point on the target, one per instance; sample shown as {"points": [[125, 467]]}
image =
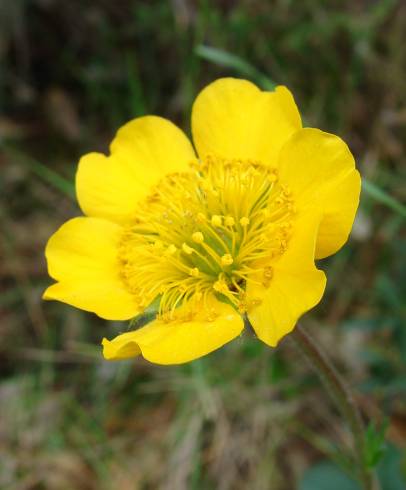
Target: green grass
{"points": [[246, 417]]}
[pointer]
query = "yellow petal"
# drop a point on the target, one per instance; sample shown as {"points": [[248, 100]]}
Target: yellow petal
{"points": [[296, 286], [234, 119], [143, 151], [319, 168], [82, 257], [178, 342]]}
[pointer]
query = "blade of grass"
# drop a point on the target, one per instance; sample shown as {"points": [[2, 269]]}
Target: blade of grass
{"points": [[136, 95], [223, 58], [42, 171], [383, 197]]}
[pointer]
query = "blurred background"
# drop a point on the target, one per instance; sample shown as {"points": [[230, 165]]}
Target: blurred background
{"points": [[246, 417]]}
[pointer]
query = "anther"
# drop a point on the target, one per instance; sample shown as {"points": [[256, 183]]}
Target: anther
{"points": [[255, 302], [194, 272], [229, 221], [209, 158], [197, 296], [211, 315], [216, 220], [242, 307], [198, 237], [268, 274], [244, 221], [220, 286], [188, 250], [227, 259], [170, 250], [200, 218], [272, 175]]}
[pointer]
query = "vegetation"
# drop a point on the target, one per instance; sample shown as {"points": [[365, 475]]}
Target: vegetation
{"points": [[247, 416]]}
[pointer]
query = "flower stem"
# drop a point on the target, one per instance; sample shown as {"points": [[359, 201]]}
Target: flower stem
{"points": [[341, 395]]}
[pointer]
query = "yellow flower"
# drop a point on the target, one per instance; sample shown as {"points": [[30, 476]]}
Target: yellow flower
{"points": [[209, 238]]}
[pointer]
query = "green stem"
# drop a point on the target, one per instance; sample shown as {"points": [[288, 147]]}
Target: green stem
{"points": [[342, 396]]}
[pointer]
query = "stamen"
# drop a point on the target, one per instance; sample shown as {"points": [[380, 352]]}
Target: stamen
{"points": [[239, 215], [220, 286], [244, 221], [227, 259], [268, 275], [171, 249], [188, 250], [216, 220], [200, 218], [198, 237], [229, 221]]}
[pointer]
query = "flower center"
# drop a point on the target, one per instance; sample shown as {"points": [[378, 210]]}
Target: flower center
{"points": [[207, 231]]}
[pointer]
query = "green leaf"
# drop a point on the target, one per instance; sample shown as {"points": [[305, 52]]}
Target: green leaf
{"points": [[241, 66], [42, 171], [383, 197], [375, 446]]}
